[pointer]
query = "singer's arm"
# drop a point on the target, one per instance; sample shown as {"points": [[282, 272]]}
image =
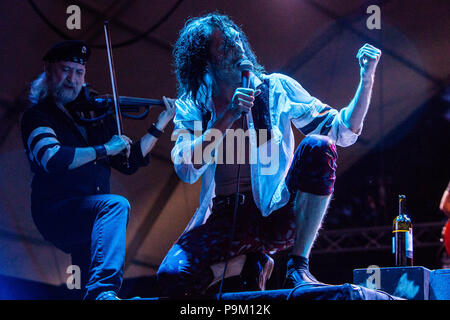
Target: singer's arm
{"points": [[356, 111], [354, 114]]}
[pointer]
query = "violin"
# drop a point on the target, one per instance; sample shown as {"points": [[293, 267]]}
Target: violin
{"points": [[90, 100]]}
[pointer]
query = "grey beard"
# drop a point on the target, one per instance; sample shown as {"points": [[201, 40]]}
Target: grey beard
{"points": [[63, 98]]}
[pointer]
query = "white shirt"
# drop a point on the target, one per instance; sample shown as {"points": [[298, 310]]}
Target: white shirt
{"points": [[288, 101]]}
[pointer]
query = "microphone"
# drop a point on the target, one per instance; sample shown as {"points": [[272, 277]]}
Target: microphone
{"points": [[246, 67]]}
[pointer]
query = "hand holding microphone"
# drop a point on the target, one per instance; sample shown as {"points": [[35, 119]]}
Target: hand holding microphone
{"points": [[243, 97]]}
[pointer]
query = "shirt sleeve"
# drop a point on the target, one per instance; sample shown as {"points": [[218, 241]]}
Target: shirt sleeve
{"points": [[312, 116], [42, 145], [135, 161], [187, 133], [119, 162]]}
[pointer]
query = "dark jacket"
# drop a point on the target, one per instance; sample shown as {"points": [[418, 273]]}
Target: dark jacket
{"points": [[50, 138]]}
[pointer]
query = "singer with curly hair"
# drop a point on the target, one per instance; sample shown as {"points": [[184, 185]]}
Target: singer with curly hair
{"points": [[260, 195]]}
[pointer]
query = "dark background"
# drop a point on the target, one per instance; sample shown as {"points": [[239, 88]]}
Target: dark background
{"points": [[404, 147]]}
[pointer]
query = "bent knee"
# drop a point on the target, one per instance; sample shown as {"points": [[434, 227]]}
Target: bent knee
{"points": [[116, 205], [318, 144], [313, 168], [119, 202], [174, 282]]}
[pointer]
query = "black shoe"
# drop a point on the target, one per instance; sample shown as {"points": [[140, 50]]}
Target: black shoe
{"points": [[298, 274], [257, 270], [298, 277]]}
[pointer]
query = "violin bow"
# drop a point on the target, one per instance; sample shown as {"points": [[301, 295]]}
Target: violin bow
{"points": [[112, 73]]}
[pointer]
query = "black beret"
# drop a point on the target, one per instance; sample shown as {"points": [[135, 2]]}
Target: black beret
{"points": [[71, 50]]}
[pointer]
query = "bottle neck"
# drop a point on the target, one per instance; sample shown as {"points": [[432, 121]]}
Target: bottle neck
{"points": [[402, 206]]}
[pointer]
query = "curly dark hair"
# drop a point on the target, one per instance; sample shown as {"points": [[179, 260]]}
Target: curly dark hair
{"points": [[192, 50]]}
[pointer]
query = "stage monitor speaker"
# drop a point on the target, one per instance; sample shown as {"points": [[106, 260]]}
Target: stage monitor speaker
{"points": [[416, 283], [440, 284], [411, 283]]}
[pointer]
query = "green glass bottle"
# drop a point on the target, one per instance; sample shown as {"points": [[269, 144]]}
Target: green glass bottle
{"points": [[402, 236]]}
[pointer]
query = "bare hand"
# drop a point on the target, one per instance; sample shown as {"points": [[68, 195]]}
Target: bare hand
{"points": [[117, 144], [242, 101], [167, 115], [368, 57]]}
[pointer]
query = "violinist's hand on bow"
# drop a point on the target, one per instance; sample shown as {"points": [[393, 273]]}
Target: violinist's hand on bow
{"points": [[117, 144], [167, 115]]}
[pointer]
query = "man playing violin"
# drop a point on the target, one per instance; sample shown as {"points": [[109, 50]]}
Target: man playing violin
{"points": [[71, 160]]}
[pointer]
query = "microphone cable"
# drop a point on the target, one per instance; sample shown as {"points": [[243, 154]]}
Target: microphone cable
{"points": [[245, 66], [233, 225]]}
